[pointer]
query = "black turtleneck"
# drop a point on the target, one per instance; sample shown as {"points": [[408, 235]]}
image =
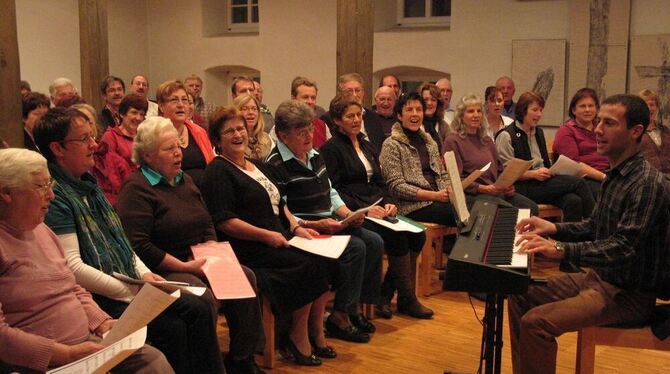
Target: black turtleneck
{"points": [[416, 141]]}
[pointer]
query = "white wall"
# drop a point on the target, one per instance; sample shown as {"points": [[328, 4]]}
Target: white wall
{"points": [[649, 17], [48, 36]]}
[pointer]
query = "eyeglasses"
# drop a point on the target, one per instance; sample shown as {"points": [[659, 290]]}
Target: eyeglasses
{"points": [[44, 189], [85, 139], [231, 131], [249, 109], [176, 100]]}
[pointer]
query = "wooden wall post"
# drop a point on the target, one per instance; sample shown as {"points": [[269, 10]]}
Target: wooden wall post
{"points": [[11, 124], [355, 40], [93, 49]]}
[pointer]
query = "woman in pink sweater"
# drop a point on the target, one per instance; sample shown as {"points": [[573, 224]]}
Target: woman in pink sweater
{"points": [[46, 319]]}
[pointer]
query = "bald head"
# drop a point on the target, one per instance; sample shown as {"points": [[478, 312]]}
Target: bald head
{"points": [[446, 91], [505, 85], [385, 99]]}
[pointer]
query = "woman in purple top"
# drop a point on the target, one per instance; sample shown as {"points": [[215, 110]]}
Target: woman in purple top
{"points": [[473, 148], [575, 138]]}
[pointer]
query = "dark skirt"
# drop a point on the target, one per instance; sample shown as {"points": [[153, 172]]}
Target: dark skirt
{"points": [[288, 277]]}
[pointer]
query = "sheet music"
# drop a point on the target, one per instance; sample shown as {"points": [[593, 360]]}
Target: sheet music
{"points": [[105, 359], [519, 259], [456, 196], [354, 215], [223, 271], [146, 305], [474, 175], [330, 246], [398, 226], [169, 286], [566, 166], [514, 169]]}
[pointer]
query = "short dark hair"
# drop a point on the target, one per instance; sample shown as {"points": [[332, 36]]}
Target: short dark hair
{"points": [[218, 119], [402, 101], [238, 79], [525, 100], [33, 101], [301, 81], [340, 103], [582, 93], [53, 127], [637, 111], [24, 85], [108, 81], [133, 101], [381, 81]]}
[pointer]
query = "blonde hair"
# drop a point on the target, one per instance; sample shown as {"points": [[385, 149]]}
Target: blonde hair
{"points": [[259, 142], [459, 127]]}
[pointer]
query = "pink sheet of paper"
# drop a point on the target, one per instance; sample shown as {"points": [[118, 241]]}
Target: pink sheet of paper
{"points": [[223, 271]]}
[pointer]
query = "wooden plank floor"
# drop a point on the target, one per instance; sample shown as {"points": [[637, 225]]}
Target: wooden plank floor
{"points": [[451, 341]]}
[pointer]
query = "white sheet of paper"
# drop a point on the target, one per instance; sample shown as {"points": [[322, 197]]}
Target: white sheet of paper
{"points": [[514, 169], [457, 197], [330, 246], [359, 212], [398, 226], [105, 359], [170, 286], [474, 175], [566, 166], [146, 305]]}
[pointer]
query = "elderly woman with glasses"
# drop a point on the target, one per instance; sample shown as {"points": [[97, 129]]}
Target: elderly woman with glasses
{"points": [[173, 104], [260, 143], [46, 318], [95, 246], [247, 207], [163, 215]]}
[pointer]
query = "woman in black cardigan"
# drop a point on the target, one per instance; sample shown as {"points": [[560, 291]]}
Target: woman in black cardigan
{"points": [[247, 208], [353, 167]]}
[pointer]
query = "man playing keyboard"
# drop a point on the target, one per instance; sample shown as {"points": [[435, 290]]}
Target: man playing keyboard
{"points": [[624, 243]]}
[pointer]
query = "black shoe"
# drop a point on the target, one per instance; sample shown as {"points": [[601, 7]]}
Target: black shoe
{"points": [[350, 334], [323, 352], [299, 358], [245, 366], [384, 311], [362, 323], [413, 308]]}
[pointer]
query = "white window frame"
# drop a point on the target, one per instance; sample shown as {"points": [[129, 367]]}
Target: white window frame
{"points": [[427, 20], [242, 27]]}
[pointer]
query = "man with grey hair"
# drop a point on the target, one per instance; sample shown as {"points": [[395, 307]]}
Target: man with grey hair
{"points": [[194, 84], [446, 91], [385, 99], [139, 85], [506, 85], [61, 90]]}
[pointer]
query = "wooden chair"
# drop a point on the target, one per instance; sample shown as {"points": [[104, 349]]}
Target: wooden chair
{"points": [[589, 337], [431, 258], [550, 211], [269, 352]]}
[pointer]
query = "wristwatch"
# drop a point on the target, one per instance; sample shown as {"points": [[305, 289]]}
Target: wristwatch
{"points": [[560, 247]]}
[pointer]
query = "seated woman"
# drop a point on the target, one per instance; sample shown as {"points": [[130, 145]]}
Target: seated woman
{"points": [[163, 215], [433, 116], [473, 149], [197, 150], [118, 141], [33, 107], [260, 143], [524, 140], [46, 319], [247, 208], [576, 138], [354, 170], [655, 143], [493, 110], [95, 245], [412, 167]]}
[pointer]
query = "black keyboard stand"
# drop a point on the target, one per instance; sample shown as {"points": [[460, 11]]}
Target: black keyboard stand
{"points": [[492, 334]]}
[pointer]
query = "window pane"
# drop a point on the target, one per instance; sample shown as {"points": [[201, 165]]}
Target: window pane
{"points": [[240, 2], [415, 8], [240, 15], [254, 1], [254, 14], [441, 8]]}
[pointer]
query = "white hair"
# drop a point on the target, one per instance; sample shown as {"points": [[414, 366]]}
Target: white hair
{"points": [[18, 165], [146, 139], [457, 124], [58, 83]]}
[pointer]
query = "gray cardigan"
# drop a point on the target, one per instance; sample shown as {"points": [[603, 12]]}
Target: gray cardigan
{"points": [[401, 168]]}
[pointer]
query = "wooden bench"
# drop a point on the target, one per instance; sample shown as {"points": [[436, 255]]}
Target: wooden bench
{"points": [[589, 337], [550, 211], [431, 258]]}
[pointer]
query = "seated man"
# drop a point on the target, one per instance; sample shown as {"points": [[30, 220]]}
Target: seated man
{"points": [[624, 242], [309, 193]]}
